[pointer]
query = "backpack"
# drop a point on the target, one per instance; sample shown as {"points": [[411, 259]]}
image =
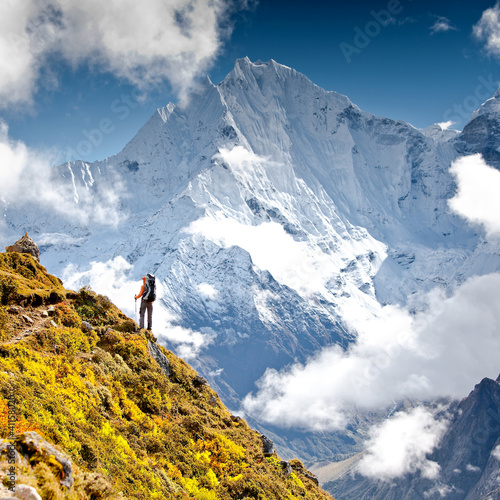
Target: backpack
{"points": [[149, 294]]}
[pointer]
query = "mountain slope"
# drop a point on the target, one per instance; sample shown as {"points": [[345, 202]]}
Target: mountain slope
{"points": [[468, 456], [129, 419], [480, 134]]}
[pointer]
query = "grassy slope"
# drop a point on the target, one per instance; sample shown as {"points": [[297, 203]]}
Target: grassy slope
{"points": [[130, 431]]}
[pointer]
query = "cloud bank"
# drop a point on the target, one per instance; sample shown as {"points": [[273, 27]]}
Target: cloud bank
{"points": [[293, 263], [487, 30], [27, 178], [477, 197], [143, 42], [441, 351], [400, 445]]}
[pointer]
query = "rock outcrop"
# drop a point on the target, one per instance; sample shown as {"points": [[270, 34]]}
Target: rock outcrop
{"points": [[25, 245], [37, 449]]}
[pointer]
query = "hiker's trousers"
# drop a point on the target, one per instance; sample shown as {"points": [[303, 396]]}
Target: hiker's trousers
{"points": [[146, 306]]}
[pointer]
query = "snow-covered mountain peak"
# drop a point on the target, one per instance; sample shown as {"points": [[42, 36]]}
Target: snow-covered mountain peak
{"points": [[490, 106], [244, 66], [272, 78], [481, 132], [439, 133]]}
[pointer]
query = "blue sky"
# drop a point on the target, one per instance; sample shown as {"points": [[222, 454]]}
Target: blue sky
{"points": [[418, 61]]}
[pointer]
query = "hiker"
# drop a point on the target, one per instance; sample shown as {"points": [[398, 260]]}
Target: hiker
{"points": [[148, 296]]}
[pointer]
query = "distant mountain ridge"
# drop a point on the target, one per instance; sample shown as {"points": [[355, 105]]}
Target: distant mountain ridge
{"points": [[468, 456]]}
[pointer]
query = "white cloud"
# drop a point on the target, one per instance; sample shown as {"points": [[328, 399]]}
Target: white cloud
{"points": [[292, 263], [472, 468], [401, 444], [487, 30], [440, 489], [107, 278], [496, 452], [442, 25], [143, 42], [208, 291], [27, 178], [58, 239], [112, 279], [19, 62], [477, 197], [446, 125], [188, 343], [442, 351]]}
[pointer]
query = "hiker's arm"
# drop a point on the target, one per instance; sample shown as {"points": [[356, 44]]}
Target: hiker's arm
{"points": [[140, 293]]}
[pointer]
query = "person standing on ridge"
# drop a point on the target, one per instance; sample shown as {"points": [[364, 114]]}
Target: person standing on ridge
{"points": [[148, 295]]}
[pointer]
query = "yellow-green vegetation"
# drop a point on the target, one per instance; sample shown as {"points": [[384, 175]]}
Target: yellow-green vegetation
{"points": [[24, 281], [99, 397]]}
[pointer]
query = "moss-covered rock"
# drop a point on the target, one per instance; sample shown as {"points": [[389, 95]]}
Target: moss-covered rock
{"points": [[25, 282]]}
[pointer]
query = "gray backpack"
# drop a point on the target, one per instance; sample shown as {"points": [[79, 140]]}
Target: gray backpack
{"points": [[149, 294]]}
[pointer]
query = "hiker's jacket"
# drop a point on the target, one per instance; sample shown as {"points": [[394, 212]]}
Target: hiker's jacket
{"points": [[142, 288]]}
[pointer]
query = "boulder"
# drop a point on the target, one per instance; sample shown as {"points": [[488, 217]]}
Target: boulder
{"points": [[268, 446], [199, 381], [9, 452], [312, 477], [159, 357], [28, 320], [25, 245], [87, 327], [32, 445], [25, 492], [286, 467]]}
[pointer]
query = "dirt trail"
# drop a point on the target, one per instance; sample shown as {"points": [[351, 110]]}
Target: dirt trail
{"points": [[28, 321]]}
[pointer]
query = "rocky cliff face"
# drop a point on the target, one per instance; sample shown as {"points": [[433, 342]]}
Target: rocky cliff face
{"points": [[480, 135]]}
